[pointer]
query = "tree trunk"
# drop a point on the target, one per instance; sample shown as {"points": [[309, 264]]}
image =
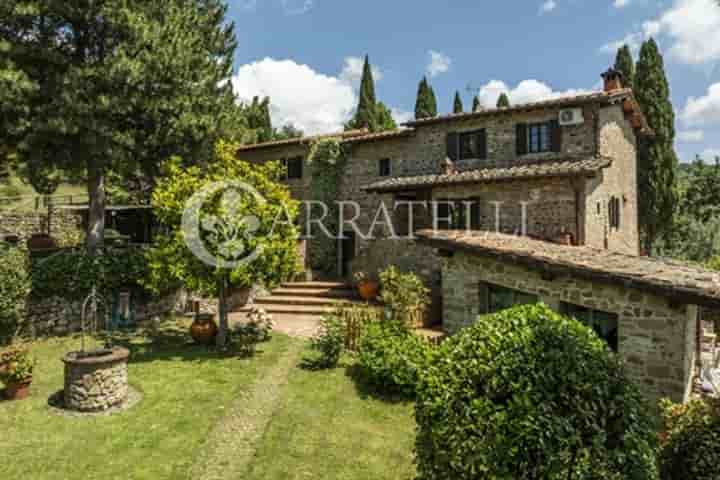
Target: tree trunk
{"points": [[96, 211], [221, 339]]}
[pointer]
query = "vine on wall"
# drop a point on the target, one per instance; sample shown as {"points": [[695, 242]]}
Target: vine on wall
{"points": [[326, 159]]}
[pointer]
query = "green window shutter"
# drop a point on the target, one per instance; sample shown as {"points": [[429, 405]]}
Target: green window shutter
{"points": [[555, 136], [453, 141], [521, 140]]}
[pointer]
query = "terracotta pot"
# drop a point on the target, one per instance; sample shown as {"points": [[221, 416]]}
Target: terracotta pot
{"points": [[368, 290], [203, 329], [17, 391]]}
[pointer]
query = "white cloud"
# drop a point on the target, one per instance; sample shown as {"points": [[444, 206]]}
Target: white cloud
{"points": [[525, 92], [311, 101], [401, 116], [703, 110], [548, 6], [297, 7], [692, 28], [439, 63], [621, 3], [691, 136], [352, 71]]}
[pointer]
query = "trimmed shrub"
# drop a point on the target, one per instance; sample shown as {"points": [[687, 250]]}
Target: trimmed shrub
{"points": [[527, 393], [393, 357], [14, 290], [691, 440], [402, 293]]}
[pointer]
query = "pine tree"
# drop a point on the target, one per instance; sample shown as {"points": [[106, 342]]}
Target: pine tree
{"points": [[625, 64], [366, 114], [503, 101], [657, 160], [476, 104], [457, 104], [116, 86]]}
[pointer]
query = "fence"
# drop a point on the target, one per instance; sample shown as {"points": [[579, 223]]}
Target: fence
{"points": [[44, 201]]}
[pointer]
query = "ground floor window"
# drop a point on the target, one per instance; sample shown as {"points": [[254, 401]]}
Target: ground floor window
{"points": [[605, 324], [494, 298]]}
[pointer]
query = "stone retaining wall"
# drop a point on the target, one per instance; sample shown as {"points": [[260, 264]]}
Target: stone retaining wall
{"points": [[656, 338], [65, 227]]}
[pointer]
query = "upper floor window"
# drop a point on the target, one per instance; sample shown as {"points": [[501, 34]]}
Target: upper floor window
{"points": [[614, 212], [467, 145], [293, 167], [539, 137], [494, 298], [605, 324], [384, 167]]}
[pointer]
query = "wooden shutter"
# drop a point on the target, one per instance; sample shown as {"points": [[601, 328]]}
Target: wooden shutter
{"points": [[475, 214], [453, 145], [482, 144], [555, 136], [522, 138]]}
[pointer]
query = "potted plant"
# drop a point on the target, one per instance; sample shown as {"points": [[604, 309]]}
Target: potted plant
{"points": [[405, 297], [16, 372], [367, 287]]}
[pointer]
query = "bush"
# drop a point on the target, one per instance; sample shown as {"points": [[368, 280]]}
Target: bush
{"points": [[402, 292], [14, 290], [16, 365], [527, 393], [691, 440], [338, 331], [393, 357]]}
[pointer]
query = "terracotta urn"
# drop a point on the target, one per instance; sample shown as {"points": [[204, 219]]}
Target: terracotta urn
{"points": [[203, 329], [17, 391], [368, 290], [41, 241]]}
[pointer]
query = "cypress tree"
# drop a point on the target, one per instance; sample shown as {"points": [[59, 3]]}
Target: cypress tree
{"points": [[432, 101], [476, 104], [457, 104], [422, 107], [625, 64], [385, 120], [657, 160], [503, 101], [366, 114]]}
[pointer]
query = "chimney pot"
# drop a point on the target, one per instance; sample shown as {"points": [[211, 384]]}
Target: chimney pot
{"points": [[613, 80]]}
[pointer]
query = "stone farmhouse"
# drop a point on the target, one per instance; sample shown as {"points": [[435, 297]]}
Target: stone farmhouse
{"points": [[556, 184]]}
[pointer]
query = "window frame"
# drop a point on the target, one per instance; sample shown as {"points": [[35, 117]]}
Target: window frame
{"points": [[615, 213], [486, 290], [384, 162], [479, 133], [287, 161], [540, 125], [594, 323]]}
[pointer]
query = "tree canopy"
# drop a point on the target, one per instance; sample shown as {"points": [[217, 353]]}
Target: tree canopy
{"points": [[476, 104], [457, 103], [503, 101], [370, 113], [625, 64], [115, 86], [426, 103]]}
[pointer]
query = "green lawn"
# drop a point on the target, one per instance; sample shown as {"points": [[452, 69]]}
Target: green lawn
{"points": [[326, 425], [12, 188], [185, 391], [331, 426]]}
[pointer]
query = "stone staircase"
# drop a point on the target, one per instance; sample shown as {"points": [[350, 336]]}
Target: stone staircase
{"points": [[305, 298]]}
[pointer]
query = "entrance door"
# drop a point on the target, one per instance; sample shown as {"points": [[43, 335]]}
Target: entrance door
{"points": [[347, 253]]}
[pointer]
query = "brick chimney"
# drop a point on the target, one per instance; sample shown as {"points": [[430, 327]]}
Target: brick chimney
{"points": [[613, 80]]}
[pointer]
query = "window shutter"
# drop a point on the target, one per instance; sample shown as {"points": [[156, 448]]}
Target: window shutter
{"points": [[475, 214], [522, 138], [556, 136], [482, 147], [452, 140]]}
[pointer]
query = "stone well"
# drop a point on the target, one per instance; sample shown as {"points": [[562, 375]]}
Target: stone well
{"points": [[95, 383]]}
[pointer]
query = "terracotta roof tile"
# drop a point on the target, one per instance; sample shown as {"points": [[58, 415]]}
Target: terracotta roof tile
{"points": [[350, 136], [684, 283], [559, 168]]}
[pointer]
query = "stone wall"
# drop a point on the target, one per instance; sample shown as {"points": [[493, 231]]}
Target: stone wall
{"points": [[65, 227], [656, 339], [58, 316]]}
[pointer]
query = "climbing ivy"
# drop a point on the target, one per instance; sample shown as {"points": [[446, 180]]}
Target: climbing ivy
{"points": [[327, 160]]}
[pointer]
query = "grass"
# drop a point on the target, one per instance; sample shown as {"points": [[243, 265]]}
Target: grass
{"points": [[325, 424], [186, 389], [13, 187], [330, 424]]}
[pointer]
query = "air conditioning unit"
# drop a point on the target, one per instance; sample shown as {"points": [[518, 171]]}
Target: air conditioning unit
{"points": [[571, 116]]}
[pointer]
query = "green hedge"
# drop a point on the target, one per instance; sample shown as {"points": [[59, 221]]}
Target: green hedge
{"points": [[527, 393], [14, 290], [691, 440], [71, 274]]}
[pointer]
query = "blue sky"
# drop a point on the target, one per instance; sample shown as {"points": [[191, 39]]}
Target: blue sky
{"points": [[306, 54]]}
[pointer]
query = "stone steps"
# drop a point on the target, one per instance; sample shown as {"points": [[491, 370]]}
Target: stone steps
{"points": [[305, 299]]}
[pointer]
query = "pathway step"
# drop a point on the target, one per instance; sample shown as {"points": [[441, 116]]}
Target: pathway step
{"points": [[326, 285], [292, 309], [300, 300], [314, 292]]}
